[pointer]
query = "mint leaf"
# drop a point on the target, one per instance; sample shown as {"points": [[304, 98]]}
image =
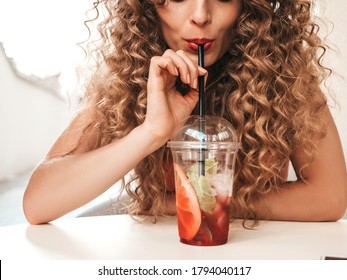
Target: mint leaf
{"points": [[211, 167], [205, 193]]}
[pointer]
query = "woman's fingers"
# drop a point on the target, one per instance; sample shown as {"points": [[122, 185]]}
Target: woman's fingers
{"points": [[162, 74], [188, 70], [163, 63], [164, 70]]}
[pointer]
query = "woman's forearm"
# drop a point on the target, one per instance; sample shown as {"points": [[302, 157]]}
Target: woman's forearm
{"points": [[60, 185], [304, 201]]}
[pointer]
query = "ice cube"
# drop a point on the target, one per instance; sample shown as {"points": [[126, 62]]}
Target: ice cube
{"points": [[221, 183]]}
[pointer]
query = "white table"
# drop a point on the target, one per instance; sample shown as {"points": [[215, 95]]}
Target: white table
{"points": [[120, 237]]}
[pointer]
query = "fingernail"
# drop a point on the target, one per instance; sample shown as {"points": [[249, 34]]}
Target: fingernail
{"points": [[195, 83], [188, 78], [203, 70]]}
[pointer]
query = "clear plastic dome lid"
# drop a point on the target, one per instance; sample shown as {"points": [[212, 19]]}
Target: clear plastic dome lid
{"points": [[205, 132]]}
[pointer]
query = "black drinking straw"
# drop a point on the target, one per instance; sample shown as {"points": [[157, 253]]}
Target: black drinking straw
{"points": [[201, 81]]}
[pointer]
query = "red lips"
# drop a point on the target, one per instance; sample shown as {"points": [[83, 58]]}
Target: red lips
{"points": [[193, 43]]}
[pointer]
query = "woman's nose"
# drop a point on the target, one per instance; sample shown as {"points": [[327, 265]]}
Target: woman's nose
{"points": [[201, 14]]}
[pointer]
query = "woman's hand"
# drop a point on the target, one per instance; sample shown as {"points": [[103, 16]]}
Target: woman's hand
{"points": [[167, 109]]}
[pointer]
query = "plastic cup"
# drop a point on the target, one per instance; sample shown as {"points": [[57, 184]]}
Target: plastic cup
{"points": [[204, 166]]}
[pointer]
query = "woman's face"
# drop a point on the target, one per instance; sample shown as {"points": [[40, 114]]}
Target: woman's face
{"points": [[186, 23]]}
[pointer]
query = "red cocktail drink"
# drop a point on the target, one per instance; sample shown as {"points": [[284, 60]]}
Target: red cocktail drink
{"points": [[204, 188]]}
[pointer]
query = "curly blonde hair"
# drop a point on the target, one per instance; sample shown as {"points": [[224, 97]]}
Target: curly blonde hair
{"points": [[267, 86]]}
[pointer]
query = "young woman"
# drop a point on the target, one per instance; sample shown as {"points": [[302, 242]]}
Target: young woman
{"points": [[263, 69]]}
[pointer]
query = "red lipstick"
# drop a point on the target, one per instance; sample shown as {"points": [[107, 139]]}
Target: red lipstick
{"points": [[193, 43]]}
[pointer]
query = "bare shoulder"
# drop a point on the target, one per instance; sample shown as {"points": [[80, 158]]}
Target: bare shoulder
{"points": [[78, 137], [328, 162]]}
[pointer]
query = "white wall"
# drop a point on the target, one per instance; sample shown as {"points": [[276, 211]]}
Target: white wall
{"points": [[30, 120]]}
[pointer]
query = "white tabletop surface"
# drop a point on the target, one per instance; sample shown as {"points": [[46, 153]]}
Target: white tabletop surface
{"points": [[121, 237]]}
